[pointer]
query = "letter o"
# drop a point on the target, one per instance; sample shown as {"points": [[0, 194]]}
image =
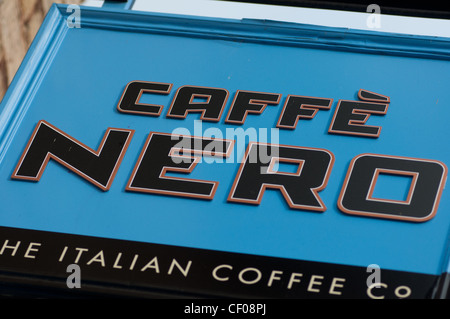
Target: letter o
{"points": [[404, 295], [249, 282]]}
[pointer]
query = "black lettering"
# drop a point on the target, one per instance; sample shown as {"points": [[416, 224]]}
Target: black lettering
{"points": [[300, 188], [365, 95], [209, 101], [166, 152], [98, 167], [350, 118], [129, 102], [301, 107], [250, 102], [427, 182]]}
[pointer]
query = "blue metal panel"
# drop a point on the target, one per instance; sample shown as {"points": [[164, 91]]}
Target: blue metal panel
{"points": [[74, 78]]}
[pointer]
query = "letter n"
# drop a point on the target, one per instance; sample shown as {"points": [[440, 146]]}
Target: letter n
{"points": [[48, 142]]}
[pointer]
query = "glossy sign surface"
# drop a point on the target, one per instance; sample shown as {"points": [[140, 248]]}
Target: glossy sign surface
{"points": [[74, 80]]}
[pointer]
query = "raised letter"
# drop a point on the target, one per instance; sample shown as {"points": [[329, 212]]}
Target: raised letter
{"points": [[421, 202], [249, 102], [350, 117], [98, 167], [165, 153], [300, 189], [209, 101], [129, 102], [301, 107]]}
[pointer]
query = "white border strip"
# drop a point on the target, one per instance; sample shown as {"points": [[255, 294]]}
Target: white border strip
{"points": [[330, 18]]}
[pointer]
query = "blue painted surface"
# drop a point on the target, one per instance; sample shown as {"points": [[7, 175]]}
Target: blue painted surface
{"points": [[118, 5], [87, 69]]}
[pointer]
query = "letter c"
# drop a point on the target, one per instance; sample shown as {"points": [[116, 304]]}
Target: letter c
{"points": [[214, 273], [369, 290]]}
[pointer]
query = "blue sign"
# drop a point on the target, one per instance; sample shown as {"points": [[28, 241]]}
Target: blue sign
{"points": [[210, 156]]}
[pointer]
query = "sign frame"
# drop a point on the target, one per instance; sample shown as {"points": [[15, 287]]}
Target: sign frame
{"points": [[16, 104]]}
